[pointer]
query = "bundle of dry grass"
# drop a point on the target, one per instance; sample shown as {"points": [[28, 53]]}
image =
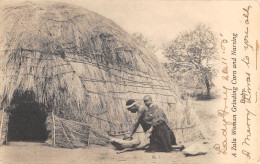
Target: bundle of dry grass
{"points": [[79, 65], [71, 134]]}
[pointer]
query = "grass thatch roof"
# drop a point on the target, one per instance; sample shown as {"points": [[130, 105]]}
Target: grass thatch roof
{"points": [[77, 63]]}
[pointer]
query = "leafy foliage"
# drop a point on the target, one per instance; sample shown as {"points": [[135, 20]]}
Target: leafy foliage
{"points": [[192, 56], [145, 42]]}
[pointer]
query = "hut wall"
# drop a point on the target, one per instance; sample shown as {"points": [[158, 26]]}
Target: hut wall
{"points": [[83, 67]]}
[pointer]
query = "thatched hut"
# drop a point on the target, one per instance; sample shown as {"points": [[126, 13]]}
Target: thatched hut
{"points": [[66, 73]]}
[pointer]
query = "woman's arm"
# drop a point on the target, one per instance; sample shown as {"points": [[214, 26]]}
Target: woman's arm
{"points": [[136, 124]]}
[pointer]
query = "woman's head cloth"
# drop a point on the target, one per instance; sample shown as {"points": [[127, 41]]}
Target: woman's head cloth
{"points": [[130, 103]]}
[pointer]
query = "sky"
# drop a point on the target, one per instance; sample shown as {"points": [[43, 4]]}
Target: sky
{"points": [[161, 21]]}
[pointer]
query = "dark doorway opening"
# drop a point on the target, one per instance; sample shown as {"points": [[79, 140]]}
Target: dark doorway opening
{"points": [[27, 120]]}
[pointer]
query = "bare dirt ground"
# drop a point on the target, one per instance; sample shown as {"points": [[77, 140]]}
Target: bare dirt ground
{"points": [[37, 153]]}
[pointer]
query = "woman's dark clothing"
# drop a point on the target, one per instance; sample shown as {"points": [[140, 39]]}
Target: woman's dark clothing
{"points": [[161, 139], [162, 136], [154, 115]]}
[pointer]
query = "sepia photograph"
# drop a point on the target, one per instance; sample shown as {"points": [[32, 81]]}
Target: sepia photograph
{"points": [[139, 81]]}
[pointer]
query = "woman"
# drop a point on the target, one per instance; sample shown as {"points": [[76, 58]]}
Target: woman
{"points": [[162, 137]]}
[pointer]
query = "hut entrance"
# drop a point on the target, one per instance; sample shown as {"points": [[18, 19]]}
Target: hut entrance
{"points": [[27, 120]]}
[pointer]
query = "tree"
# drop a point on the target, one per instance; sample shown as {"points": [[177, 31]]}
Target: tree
{"points": [[147, 43], [194, 53]]}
